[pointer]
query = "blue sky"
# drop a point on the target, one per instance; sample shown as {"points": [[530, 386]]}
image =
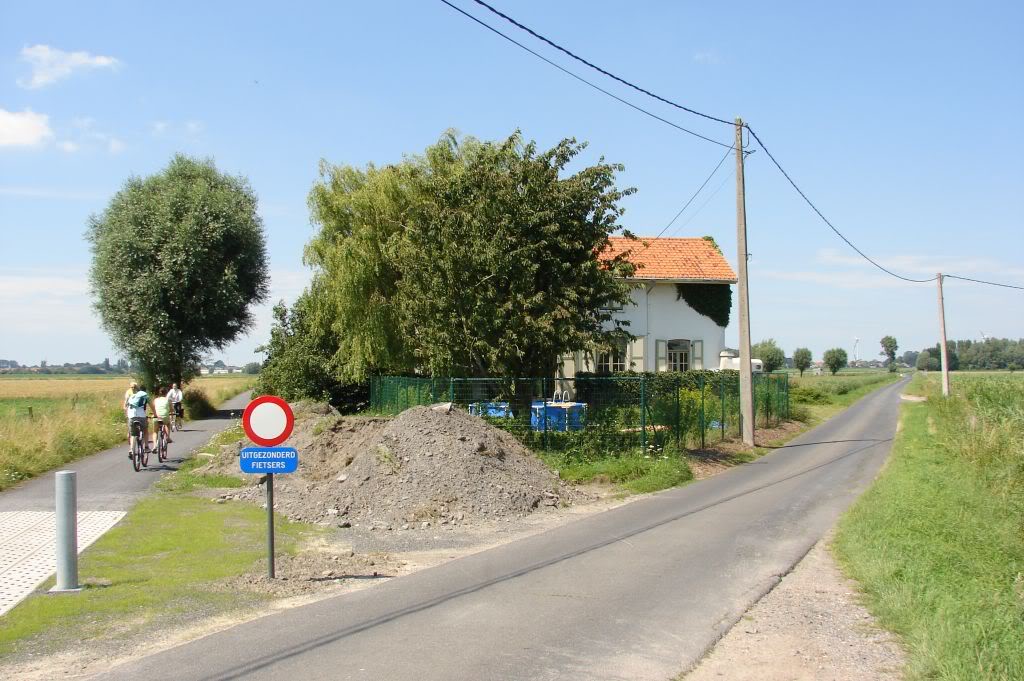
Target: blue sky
{"points": [[898, 119]]}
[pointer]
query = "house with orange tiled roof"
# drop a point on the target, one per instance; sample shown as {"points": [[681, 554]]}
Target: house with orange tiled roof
{"points": [[681, 300]]}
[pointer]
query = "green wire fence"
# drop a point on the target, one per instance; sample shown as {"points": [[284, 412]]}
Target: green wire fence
{"points": [[621, 411]]}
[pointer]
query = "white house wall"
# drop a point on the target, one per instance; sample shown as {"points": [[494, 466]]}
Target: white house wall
{"points": [[656, 315]]}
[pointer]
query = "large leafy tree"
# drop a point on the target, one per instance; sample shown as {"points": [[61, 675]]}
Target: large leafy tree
{"points": [[770, 354], [178, 260], [476, 258], [802, 359], [835, 359], [889, 348]]}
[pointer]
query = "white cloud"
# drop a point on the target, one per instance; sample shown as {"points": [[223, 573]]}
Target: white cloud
{"points": [[43, 301], [50, 64], [707, 57], [159, 127], [115, 146], [68, 146], [194, 127], [24, 129]]}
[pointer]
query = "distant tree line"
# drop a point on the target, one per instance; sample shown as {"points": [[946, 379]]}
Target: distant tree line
{"points": [[967, 355]]}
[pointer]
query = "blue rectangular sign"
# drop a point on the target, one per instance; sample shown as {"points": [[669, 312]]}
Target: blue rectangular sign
{"points": [[268, 460]]}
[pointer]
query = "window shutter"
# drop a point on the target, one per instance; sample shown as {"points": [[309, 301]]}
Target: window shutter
{"points": [[636, 357], [698, 354], [660, 355]]}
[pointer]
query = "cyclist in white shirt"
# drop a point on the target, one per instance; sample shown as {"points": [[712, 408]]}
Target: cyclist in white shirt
{"points": [[174, 397]]}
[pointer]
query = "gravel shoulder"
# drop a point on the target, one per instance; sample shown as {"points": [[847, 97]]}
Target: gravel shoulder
{"points": [[811, 626]]}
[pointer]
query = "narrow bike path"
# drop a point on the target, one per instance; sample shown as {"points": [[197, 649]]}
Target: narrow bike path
{"points": [[107, 487], [106, 481], [637, 592]]}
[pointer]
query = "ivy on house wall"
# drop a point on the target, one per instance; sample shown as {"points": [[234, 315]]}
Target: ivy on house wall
{"points": [[710, 300]]}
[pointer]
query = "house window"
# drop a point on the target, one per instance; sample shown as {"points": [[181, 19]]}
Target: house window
{"points": [[679, 355], [610, 362], [697, 354]]}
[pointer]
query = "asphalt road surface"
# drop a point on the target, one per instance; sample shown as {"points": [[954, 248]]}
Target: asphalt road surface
{"points": [[107, 481], [638, 592]]}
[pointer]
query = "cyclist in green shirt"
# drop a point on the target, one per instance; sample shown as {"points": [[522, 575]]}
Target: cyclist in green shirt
{"points": [[161, 407]]}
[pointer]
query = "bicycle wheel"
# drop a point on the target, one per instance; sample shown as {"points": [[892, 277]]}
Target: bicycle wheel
{"points": [[145, 455], [137, 455], [161, 448]]}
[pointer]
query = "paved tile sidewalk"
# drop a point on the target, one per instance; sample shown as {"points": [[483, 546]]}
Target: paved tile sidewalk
{"points": [[28, 548]]}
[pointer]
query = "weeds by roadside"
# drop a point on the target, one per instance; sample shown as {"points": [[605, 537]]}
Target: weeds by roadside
{"points": [[937, 542]]}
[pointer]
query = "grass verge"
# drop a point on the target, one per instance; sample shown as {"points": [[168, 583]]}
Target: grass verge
{"points": [[159, 567], [937, 543], [635, 472]]}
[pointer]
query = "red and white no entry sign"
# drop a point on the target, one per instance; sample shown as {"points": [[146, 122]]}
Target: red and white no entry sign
{"points": [[268, 421]]}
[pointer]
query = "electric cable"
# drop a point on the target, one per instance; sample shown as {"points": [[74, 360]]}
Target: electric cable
{"points": [[584, 80], [826, 220], [597, 68], [982, 281], [664, 100], [701, 187]]}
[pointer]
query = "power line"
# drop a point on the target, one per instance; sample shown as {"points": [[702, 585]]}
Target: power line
{"points": [[706, 202], [826, 220], [597, 68], [659, 98], [705, 183], [584, 80], [982, 281]]}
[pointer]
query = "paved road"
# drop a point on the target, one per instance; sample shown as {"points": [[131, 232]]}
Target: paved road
{"points": [[106, 481], [638, 592]]}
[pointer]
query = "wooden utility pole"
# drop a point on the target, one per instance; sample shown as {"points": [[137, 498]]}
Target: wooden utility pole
{"points": [[746, 379], [942, 332]]}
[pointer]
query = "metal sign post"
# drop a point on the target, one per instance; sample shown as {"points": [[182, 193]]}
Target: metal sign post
{"points": [[268, 421], [270, 525]]}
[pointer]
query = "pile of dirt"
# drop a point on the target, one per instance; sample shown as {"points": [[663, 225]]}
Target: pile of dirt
{"points": [[423, 468]]}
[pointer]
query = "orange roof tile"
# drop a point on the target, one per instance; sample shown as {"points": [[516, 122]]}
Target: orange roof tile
{"points": [[673, 258]]}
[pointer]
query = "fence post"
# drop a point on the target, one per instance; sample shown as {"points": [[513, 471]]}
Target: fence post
{"points": [[544, 409], [703, 416], [721, 412], [30, 413], [679, 424], [643, 413], [451, 389]]}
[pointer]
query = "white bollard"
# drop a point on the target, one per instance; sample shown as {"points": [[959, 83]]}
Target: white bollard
{"points": [[67, 532]]}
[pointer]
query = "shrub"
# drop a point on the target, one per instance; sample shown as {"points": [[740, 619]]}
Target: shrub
{"points": [[197, 404]]}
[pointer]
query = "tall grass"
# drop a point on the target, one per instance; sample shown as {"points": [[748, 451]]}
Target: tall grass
{"points": [[938, 542], [71, 418]]}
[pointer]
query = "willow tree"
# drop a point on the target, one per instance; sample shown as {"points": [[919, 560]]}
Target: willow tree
{"points": [[474, 259], [178, 261]]}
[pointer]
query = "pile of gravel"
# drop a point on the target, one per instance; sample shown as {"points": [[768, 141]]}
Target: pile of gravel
{"points": [[423, 468]]}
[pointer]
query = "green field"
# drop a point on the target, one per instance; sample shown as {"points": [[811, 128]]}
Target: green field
{"points": [[49, 420], [937, 543]]}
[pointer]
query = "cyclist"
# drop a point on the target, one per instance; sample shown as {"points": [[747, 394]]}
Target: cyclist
{"points": [[135, 408], [175, 397], [161, 409]]}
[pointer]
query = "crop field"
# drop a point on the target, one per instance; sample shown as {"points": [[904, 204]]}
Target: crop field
{"points": [[48, 421]]}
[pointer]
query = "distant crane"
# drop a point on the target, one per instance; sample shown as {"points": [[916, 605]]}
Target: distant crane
{"points": [[856, 342]]}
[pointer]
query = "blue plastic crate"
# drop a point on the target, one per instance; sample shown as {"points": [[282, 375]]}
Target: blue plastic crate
{"points": [[561, 416]]}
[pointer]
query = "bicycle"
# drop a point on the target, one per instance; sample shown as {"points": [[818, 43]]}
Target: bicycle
{"points": [[177, 420], [140, 448], [161, 440]]}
